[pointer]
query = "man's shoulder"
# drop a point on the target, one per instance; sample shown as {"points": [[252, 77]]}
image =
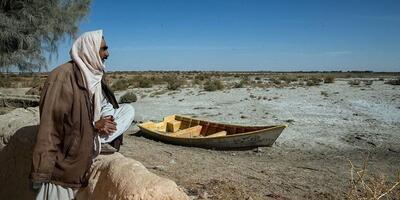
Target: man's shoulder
{"points": [[62, 72]]}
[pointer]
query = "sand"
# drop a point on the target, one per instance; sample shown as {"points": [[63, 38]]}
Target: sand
{"points": [[328, 126]]}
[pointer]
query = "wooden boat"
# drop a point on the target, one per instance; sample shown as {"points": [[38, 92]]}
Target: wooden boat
{"points": [[187, 131]]}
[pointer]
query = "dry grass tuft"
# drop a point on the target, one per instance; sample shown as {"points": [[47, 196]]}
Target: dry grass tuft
{"points": [[368, 187]]}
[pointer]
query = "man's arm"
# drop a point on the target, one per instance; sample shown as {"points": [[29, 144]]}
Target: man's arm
{"points": [[55, 105]]}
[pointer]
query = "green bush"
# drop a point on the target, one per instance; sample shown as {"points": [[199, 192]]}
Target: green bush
{"points": [[213, 85], [128, 97]]}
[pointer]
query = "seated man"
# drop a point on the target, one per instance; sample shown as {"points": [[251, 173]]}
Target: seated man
{"points": [[77, 112]]}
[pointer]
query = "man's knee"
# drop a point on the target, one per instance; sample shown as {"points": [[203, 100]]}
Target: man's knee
{"points": [[129, 110]]}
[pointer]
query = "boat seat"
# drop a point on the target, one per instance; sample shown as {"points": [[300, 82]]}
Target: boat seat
{"points": [[218, 134], [173, 126], [189, 132]]}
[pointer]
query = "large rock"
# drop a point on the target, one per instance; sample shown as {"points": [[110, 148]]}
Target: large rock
{"points": [[117, 177]]}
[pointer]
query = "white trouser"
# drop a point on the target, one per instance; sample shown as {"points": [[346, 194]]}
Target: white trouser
{"points": [[123, 116], [50, 191]]}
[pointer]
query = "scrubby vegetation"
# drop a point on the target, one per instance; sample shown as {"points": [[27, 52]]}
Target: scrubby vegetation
{"points": [[213, 85], [313, 81], [143, 82], [366, 186], [243, 82], [121, 84], [393, 81], [173, 82], [128, 97], [354, 82], [329, 79], [368, 82]]}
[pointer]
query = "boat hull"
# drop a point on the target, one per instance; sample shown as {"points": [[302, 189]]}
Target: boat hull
{"points": [[250, 140]]}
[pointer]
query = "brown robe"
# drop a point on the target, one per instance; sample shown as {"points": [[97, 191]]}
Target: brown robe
{"points": [[64, 144]]}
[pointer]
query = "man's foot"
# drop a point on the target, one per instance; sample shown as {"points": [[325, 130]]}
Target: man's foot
{"points": [[107, 149]]}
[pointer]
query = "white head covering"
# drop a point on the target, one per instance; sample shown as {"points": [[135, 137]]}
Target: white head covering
{"points": [[85, 53]]}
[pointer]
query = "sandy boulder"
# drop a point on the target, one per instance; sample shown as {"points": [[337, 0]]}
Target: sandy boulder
{"points": [[117, 177]]}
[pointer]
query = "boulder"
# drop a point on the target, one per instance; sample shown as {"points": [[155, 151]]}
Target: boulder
{"points": [[117, 177]]}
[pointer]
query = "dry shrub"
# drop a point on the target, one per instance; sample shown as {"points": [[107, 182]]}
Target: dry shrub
{"points": [[354, 82], [393, 81], [244, 81], [364, 186], [174, 82], [121, 84], [4, 81], [368, 82], [329, 79], [313, 81], [144, 82], [275, 81], [128, 97], [213, 85], [200, 77], [288, 79]]}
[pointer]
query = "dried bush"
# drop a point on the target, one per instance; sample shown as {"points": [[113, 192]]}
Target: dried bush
{"points": [[354, 82], [313, 81], [201, 77], [288, 79], [364, 186], [275, 81], [241, 83], [213, 85], [144, 82], [173, 83], [368, 82], [329, 79], [393, 81], [4, 81], [128, 97], [121, 84]]}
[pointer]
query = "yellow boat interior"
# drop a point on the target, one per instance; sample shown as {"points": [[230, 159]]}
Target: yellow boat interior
{"points": [[187, 127]]}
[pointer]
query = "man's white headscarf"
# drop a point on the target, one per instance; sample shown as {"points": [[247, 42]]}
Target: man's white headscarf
{"points": [[85, 53]]}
